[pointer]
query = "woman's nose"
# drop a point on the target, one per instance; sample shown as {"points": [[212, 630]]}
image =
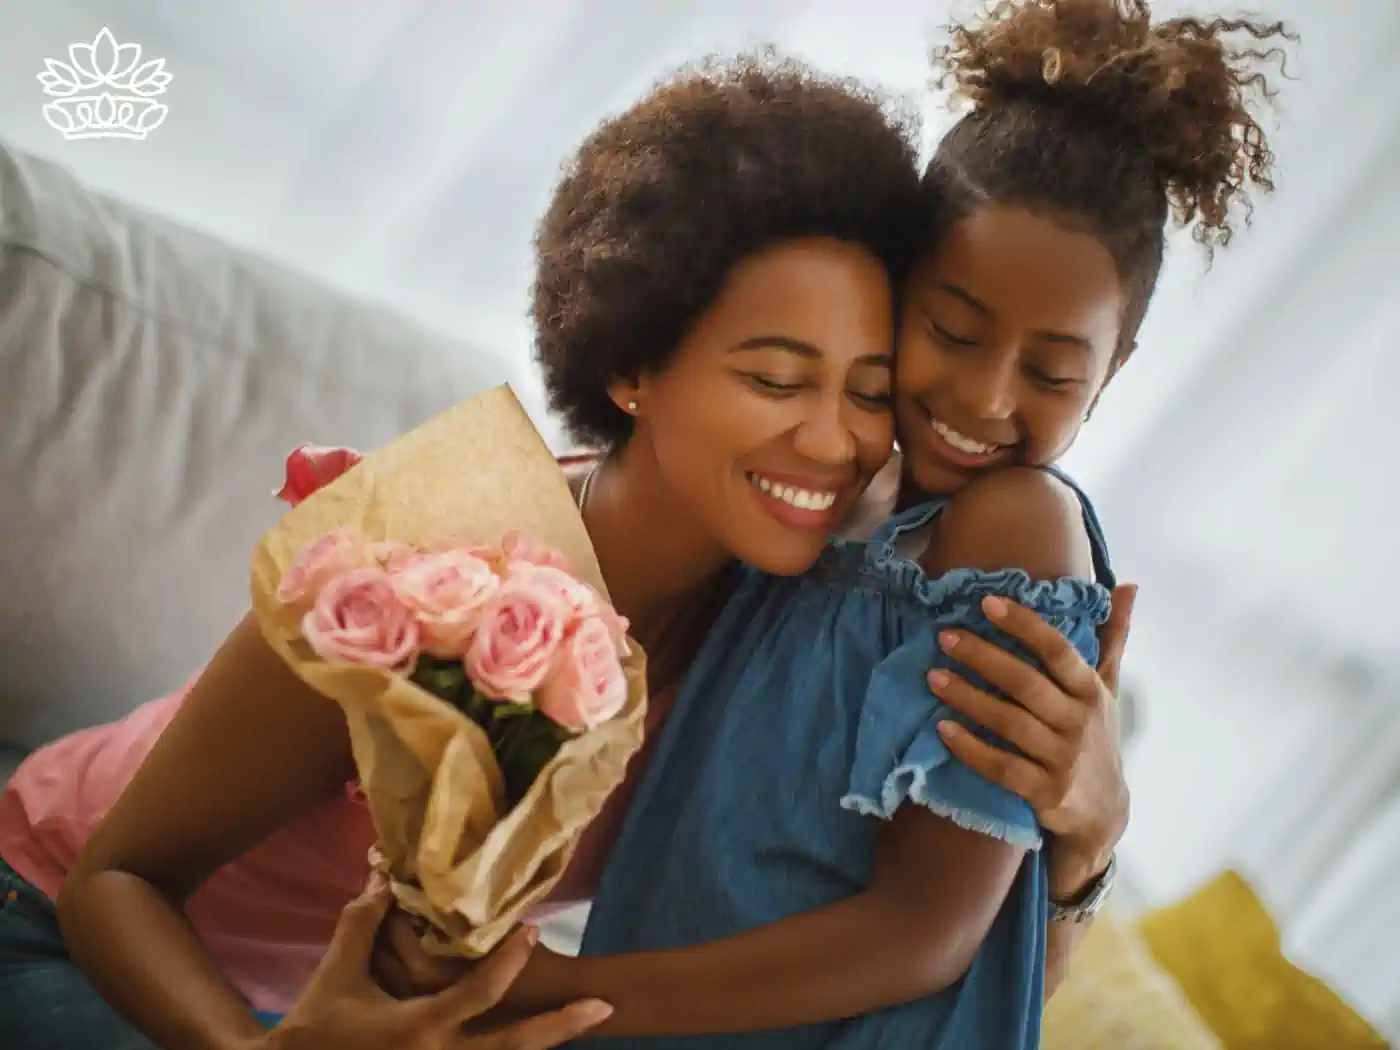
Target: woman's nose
{"points": [[824, 436]]}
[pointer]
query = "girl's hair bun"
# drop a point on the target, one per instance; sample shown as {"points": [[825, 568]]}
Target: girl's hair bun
{"points": [[1179, 90]]}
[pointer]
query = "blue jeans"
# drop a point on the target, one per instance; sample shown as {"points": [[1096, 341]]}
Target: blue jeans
{"points": [[46, 1002]]}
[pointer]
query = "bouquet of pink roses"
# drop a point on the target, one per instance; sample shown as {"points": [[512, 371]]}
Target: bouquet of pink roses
{"points": [[507, 635], [444, 593]]}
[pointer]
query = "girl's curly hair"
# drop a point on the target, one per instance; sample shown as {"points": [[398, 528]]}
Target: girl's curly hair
{"points": [[1093, 111]]}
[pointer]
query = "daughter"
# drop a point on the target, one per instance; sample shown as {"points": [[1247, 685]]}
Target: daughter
{"points": [[804, 861]]}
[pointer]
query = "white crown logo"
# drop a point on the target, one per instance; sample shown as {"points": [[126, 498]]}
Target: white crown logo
{"points": [[105, 91]]}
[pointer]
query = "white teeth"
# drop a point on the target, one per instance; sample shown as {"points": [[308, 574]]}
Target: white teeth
{"points": [[802, 499], [961, 442]]}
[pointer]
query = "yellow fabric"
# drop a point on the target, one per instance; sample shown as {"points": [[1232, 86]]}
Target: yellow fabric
{"points": [[1223, 949], [1117, 998]]}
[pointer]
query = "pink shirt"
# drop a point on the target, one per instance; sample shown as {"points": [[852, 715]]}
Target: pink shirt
{"points": [[267, 916]]}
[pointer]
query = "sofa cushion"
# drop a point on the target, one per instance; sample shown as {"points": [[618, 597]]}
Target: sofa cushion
{"points": [[1116, 996], [1222, 946], [153, 381]]}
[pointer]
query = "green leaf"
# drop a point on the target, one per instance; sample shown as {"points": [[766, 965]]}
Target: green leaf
{"points": [[503, 709], [533, 744], [445, 679]]}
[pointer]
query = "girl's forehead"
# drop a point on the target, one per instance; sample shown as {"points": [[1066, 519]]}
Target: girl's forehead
{"points": [[1025, 270]]}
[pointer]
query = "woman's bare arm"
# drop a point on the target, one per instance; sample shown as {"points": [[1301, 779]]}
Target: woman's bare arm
{"points": [[251, 747]]}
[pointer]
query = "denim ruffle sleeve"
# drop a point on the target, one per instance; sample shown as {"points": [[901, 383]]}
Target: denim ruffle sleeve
{"points": [[898, 752]]}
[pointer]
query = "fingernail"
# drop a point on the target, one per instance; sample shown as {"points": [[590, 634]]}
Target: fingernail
{"points": [[938, 679], [947, 639], [532, 935], [593, 1011], [994, 607], [949, 729]]}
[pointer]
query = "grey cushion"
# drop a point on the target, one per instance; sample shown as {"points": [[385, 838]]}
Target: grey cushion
{"points": [[152, 380]]}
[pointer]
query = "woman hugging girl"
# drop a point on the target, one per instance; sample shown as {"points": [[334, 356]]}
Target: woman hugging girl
{"points": [[805, 860]]}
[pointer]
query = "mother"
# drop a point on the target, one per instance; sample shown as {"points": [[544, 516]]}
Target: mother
{"points": [[743, 261]]}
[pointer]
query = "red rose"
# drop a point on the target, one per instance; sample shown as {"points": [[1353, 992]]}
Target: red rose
{"points": [[312, 467]]}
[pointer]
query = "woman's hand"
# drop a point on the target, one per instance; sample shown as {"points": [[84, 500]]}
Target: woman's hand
{"points": [[344, 1009], [1066, 725], [402, 968]]}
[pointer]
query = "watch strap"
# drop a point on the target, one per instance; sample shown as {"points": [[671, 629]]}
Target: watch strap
{"points": [[1091, 900]]}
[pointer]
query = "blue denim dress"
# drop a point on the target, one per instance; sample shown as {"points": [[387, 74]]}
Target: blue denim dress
{"points": [[806, 721]]}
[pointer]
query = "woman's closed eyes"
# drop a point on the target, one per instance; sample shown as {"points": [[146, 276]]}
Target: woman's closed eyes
{"points": [[782, 388]]}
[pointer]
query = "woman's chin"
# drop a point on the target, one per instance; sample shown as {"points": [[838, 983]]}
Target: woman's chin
{"points": [[784, 555]]}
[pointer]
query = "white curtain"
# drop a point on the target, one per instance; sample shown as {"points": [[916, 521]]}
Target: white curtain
{"points": [[1259, 512], [1244, 462], [1326, 853]]}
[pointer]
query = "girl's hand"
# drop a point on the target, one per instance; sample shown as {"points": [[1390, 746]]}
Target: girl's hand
{"points": [[1066, 725], [343, 1008]]}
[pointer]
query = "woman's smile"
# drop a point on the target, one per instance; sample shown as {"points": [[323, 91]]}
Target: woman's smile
{"points": [[801, 501]]}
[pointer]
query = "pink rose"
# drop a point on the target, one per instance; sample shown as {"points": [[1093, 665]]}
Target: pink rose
{"points": [[393, 555], [582, 600], [445, 591], [518, 634], [312, 467], [587, 686], [358, 619], [320, 561], [516, 547]]}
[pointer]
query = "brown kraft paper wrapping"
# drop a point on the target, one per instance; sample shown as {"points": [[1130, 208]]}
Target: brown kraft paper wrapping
{"points": [[479, 470]]}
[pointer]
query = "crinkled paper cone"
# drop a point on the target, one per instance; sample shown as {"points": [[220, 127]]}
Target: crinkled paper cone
{"points": [[479, 471]]}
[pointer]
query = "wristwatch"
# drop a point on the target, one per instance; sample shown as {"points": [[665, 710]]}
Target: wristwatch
{"points": [[1091, 898]]}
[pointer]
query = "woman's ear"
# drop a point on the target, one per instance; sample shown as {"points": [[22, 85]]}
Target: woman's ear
{"points": [[626, 394]]}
